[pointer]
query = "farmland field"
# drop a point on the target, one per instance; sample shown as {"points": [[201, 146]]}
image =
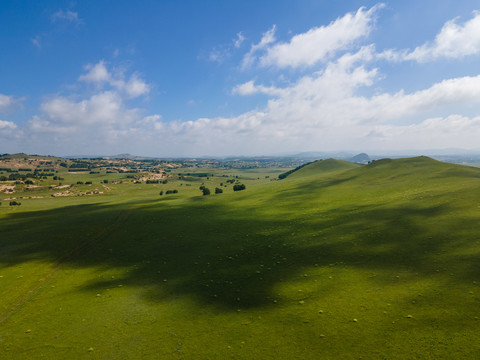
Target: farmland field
{"points": [[335, 261]]}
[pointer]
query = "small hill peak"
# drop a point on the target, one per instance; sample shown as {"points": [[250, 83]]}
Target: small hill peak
{"points": [[361, 158]]}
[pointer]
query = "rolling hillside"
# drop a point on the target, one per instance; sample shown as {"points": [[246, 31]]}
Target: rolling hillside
{"points": [[336, 261], [321, 167]]}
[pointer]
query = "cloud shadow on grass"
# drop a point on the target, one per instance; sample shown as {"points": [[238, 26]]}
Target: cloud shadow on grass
{"points": [[233, 257]]}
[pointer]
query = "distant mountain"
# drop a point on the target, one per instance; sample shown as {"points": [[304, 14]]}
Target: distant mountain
{"points": [[110, 157], [360, 158], [126, 156], [315, 155]]}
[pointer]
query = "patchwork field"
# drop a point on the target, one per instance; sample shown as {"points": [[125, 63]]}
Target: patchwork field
{"points": [[335, 261]]}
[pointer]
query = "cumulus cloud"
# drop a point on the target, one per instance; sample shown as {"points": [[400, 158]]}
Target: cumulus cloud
{"points": [[325, 107], [8, 103], [454, 41], [432, 133], [100, 109], [322, 42], [98, 118], [250, 88], [316, 45], [99, 74], [9, 132], [267, 38], [7, 125], [333, 103]]}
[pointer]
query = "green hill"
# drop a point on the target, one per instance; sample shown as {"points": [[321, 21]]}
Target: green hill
{"points": [[324, 167], [319, 167], [376, 261]]}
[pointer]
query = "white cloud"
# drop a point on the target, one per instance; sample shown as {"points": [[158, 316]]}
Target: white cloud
{"points": [[333, 104], [100, 109], [136, 87], [37, 41], [9, 132], [433, 133], [68, 16], [218, 55], [325, 111], [317, 44], [267, 38], [249, 88], [222, 52], [151, 118], [153, 122], [239, 40], [99, 75], [454, 41], [8, 102], [7, 125]]}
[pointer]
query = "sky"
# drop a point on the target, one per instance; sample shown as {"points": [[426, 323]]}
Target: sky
{"points": [[240, 77]]}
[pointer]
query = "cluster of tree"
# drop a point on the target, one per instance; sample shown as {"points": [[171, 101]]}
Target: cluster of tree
{"points": [[239, 187], [58, 178], [80, 165], [156, 181], [231, 181], [15, 203], [175, 191], [197, 174], [218, 190]]}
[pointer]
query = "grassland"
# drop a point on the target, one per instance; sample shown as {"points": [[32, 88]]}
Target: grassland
{"points": [[336, 261]]}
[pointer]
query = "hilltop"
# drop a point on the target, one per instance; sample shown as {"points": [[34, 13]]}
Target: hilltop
{"points": [[320, 167]]}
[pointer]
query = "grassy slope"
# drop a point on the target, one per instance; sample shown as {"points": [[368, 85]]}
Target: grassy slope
{"points": [[279, 271], [322, 167]]}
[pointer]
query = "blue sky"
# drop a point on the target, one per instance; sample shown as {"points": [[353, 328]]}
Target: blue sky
{"points": [[193, 78]]}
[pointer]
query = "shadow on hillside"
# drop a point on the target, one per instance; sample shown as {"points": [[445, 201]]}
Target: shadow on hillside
{"points": [[232, 257]]}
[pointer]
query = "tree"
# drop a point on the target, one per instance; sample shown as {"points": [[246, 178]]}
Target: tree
{"points": [[218, 190], [206, 191], [239, 187]]}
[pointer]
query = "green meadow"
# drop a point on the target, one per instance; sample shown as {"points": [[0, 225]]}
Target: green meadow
{"points": [[336, 261]]}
